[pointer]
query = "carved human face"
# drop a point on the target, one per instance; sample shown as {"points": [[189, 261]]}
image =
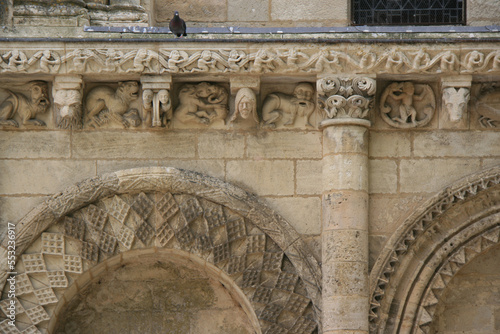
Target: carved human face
{"points": [[39, 95], [147, 97], [163, 96], [304, 91], [246, 106]]}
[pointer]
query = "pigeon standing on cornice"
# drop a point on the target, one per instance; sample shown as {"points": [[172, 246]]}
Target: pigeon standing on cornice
{"points": [[177, 25]]}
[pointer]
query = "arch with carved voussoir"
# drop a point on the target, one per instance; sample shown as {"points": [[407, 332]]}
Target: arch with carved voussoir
{"points": [[431, 246], [62, 241]]}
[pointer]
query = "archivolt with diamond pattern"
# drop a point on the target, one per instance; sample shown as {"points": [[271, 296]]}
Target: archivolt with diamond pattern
{"points": [[141, 208]]}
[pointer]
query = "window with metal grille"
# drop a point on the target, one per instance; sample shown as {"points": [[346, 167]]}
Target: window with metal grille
{"points": [[408, 12]]}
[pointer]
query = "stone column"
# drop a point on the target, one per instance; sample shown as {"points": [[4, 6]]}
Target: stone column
{"points": [[346, 103]]}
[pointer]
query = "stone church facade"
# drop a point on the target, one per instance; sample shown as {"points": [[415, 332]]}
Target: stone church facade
{"points": [[319, 177]]}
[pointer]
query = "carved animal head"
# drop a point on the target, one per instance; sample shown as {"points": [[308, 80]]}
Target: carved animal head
{"points": [[455, 102], [68, 105], [304, 91], [39, 96], [128, 90]]}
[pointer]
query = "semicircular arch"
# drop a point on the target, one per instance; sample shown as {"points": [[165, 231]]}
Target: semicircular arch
{"points": [[429, 248], [168, 208]]}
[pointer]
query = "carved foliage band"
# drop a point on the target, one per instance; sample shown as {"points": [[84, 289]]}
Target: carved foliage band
{"points": [[264, 60]]}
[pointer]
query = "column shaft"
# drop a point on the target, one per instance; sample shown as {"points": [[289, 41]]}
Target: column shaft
{"points": [[345, 227]]}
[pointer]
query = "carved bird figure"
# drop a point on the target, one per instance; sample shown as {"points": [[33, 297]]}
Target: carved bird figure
{"points": [[177, 25]]}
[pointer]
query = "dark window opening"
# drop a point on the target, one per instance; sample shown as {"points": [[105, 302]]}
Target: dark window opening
{"points": [[408, 12]]}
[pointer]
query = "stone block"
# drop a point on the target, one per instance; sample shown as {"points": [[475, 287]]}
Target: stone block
{"points": [[488, 163], [42, 177], [216, 145], [345, 210], [388, 212], [345, 246], [482, 12], [262, 177], [309, 177], [109, 166], [191, 11], [342, 172], [214, 168], [133, 145], [340, 313], [248, 10], [284, 145], [456, 144], [303, 213], [335, 10], [383, 176], [390, 144], [431, 175], [34, 144], [15, 208], [376, 243], [345, 139], [345, 279]]}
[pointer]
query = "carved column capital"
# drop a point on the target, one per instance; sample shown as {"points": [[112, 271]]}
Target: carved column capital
{"points": [[344, 99]]}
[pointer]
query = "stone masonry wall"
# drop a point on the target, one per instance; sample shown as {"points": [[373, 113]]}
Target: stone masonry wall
{"points": [[281, 167]]}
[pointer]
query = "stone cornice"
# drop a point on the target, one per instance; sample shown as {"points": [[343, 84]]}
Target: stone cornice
{"points": [[228, 58]]}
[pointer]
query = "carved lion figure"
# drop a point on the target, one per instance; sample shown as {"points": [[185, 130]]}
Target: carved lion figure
{"points": [[301, 103], [455, 102], [26, 107], [202, 103], [104, 104]]}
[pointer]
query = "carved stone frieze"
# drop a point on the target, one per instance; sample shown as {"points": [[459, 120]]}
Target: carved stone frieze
{"points": [[104, 104], [17, 107], [406, 60], [202, 103], [346, 97], [286, 108], [407, 105]]}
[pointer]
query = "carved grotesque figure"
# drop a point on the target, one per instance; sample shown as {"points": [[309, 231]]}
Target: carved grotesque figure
{"points": [[203, 103], [407, 105], [26, 107], [301, 103], [104, 104], [245, 106], [455, 102], [68, 103]]}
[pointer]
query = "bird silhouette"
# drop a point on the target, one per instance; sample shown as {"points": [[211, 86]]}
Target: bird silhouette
{"points": [[177, 25]]}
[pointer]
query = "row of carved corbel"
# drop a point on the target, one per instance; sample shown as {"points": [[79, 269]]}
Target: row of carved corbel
{"points": [[292, 60], [402, 104]]}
